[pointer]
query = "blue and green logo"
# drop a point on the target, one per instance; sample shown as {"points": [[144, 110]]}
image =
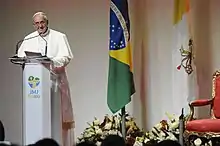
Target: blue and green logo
{"points": [[33, 82]]}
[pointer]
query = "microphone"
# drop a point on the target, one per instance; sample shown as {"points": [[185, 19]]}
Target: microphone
{"points": [[45, 46], [19, 42]]}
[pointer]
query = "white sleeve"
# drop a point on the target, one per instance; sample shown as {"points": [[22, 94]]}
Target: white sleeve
{"points": [[21, 50], [64, 54]]}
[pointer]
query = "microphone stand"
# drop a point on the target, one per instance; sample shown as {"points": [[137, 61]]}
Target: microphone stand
{"points": [[45, 55]]}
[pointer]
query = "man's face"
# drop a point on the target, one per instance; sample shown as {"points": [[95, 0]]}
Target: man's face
{"points": [[40, 24]]}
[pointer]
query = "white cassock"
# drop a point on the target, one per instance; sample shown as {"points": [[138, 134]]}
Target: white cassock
{"points": [[58, 50]]}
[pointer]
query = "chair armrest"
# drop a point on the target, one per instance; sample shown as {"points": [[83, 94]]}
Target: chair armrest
{"points": [[201, 102], [198, 103]]}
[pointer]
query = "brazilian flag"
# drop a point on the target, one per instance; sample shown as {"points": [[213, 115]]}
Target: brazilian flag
{"points": [[120, 76]]}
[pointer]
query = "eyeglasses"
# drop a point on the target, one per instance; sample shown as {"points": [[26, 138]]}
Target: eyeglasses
{"points": [[38, 23]]}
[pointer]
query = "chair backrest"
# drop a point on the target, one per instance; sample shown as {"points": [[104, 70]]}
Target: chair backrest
{"points": [[216, 95]]}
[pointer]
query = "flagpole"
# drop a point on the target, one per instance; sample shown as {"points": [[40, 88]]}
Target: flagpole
{"points": [[123, 128], [181, 128]]}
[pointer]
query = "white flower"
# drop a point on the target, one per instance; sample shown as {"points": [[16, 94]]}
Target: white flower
{"points": [[119, 133], [197, 142], [110, 117], [89, 130], [146, 140], [158, 126], [151, 135], [98, 131], [139, 139], [98, 143], [108, 126], [177, 131], [102, 136], [113, 132], [147, 134], [117, 122], [210, 143], [171, 137], [155, 130], [96, 122], [162, 134], [80, 139], [96, 127], [87, 135], [137, 143], [170, 116], [105, 133], [174, 125]]}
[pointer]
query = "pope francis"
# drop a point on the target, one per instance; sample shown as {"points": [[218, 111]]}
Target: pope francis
{"points": [[58, 50]]}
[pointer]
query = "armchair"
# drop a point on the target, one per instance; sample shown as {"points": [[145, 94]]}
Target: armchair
{"points": [[205, 128]]}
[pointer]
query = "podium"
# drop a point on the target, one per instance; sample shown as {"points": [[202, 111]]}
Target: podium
{"points": [[37, 91]]}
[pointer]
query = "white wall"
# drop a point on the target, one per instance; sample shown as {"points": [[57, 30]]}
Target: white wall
{"points": [[86, 25]]}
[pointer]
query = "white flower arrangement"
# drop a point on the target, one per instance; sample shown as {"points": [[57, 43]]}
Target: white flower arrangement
{"points": [[111, 125], [166, 129]]}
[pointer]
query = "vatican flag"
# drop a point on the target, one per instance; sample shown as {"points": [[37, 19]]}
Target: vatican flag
{"points": [[184, 71]]}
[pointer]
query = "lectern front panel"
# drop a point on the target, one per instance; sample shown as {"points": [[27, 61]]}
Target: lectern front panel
{"points": [[36, 103]]}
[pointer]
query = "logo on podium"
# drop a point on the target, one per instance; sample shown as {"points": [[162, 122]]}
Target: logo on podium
{"points": [[33, 83]]}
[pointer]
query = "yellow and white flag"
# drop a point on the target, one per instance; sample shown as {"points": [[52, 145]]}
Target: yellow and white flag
{"points": [[184, 71]]}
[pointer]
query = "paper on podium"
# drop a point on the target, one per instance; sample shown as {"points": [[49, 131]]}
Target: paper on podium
{"points": [[33, 54]]}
